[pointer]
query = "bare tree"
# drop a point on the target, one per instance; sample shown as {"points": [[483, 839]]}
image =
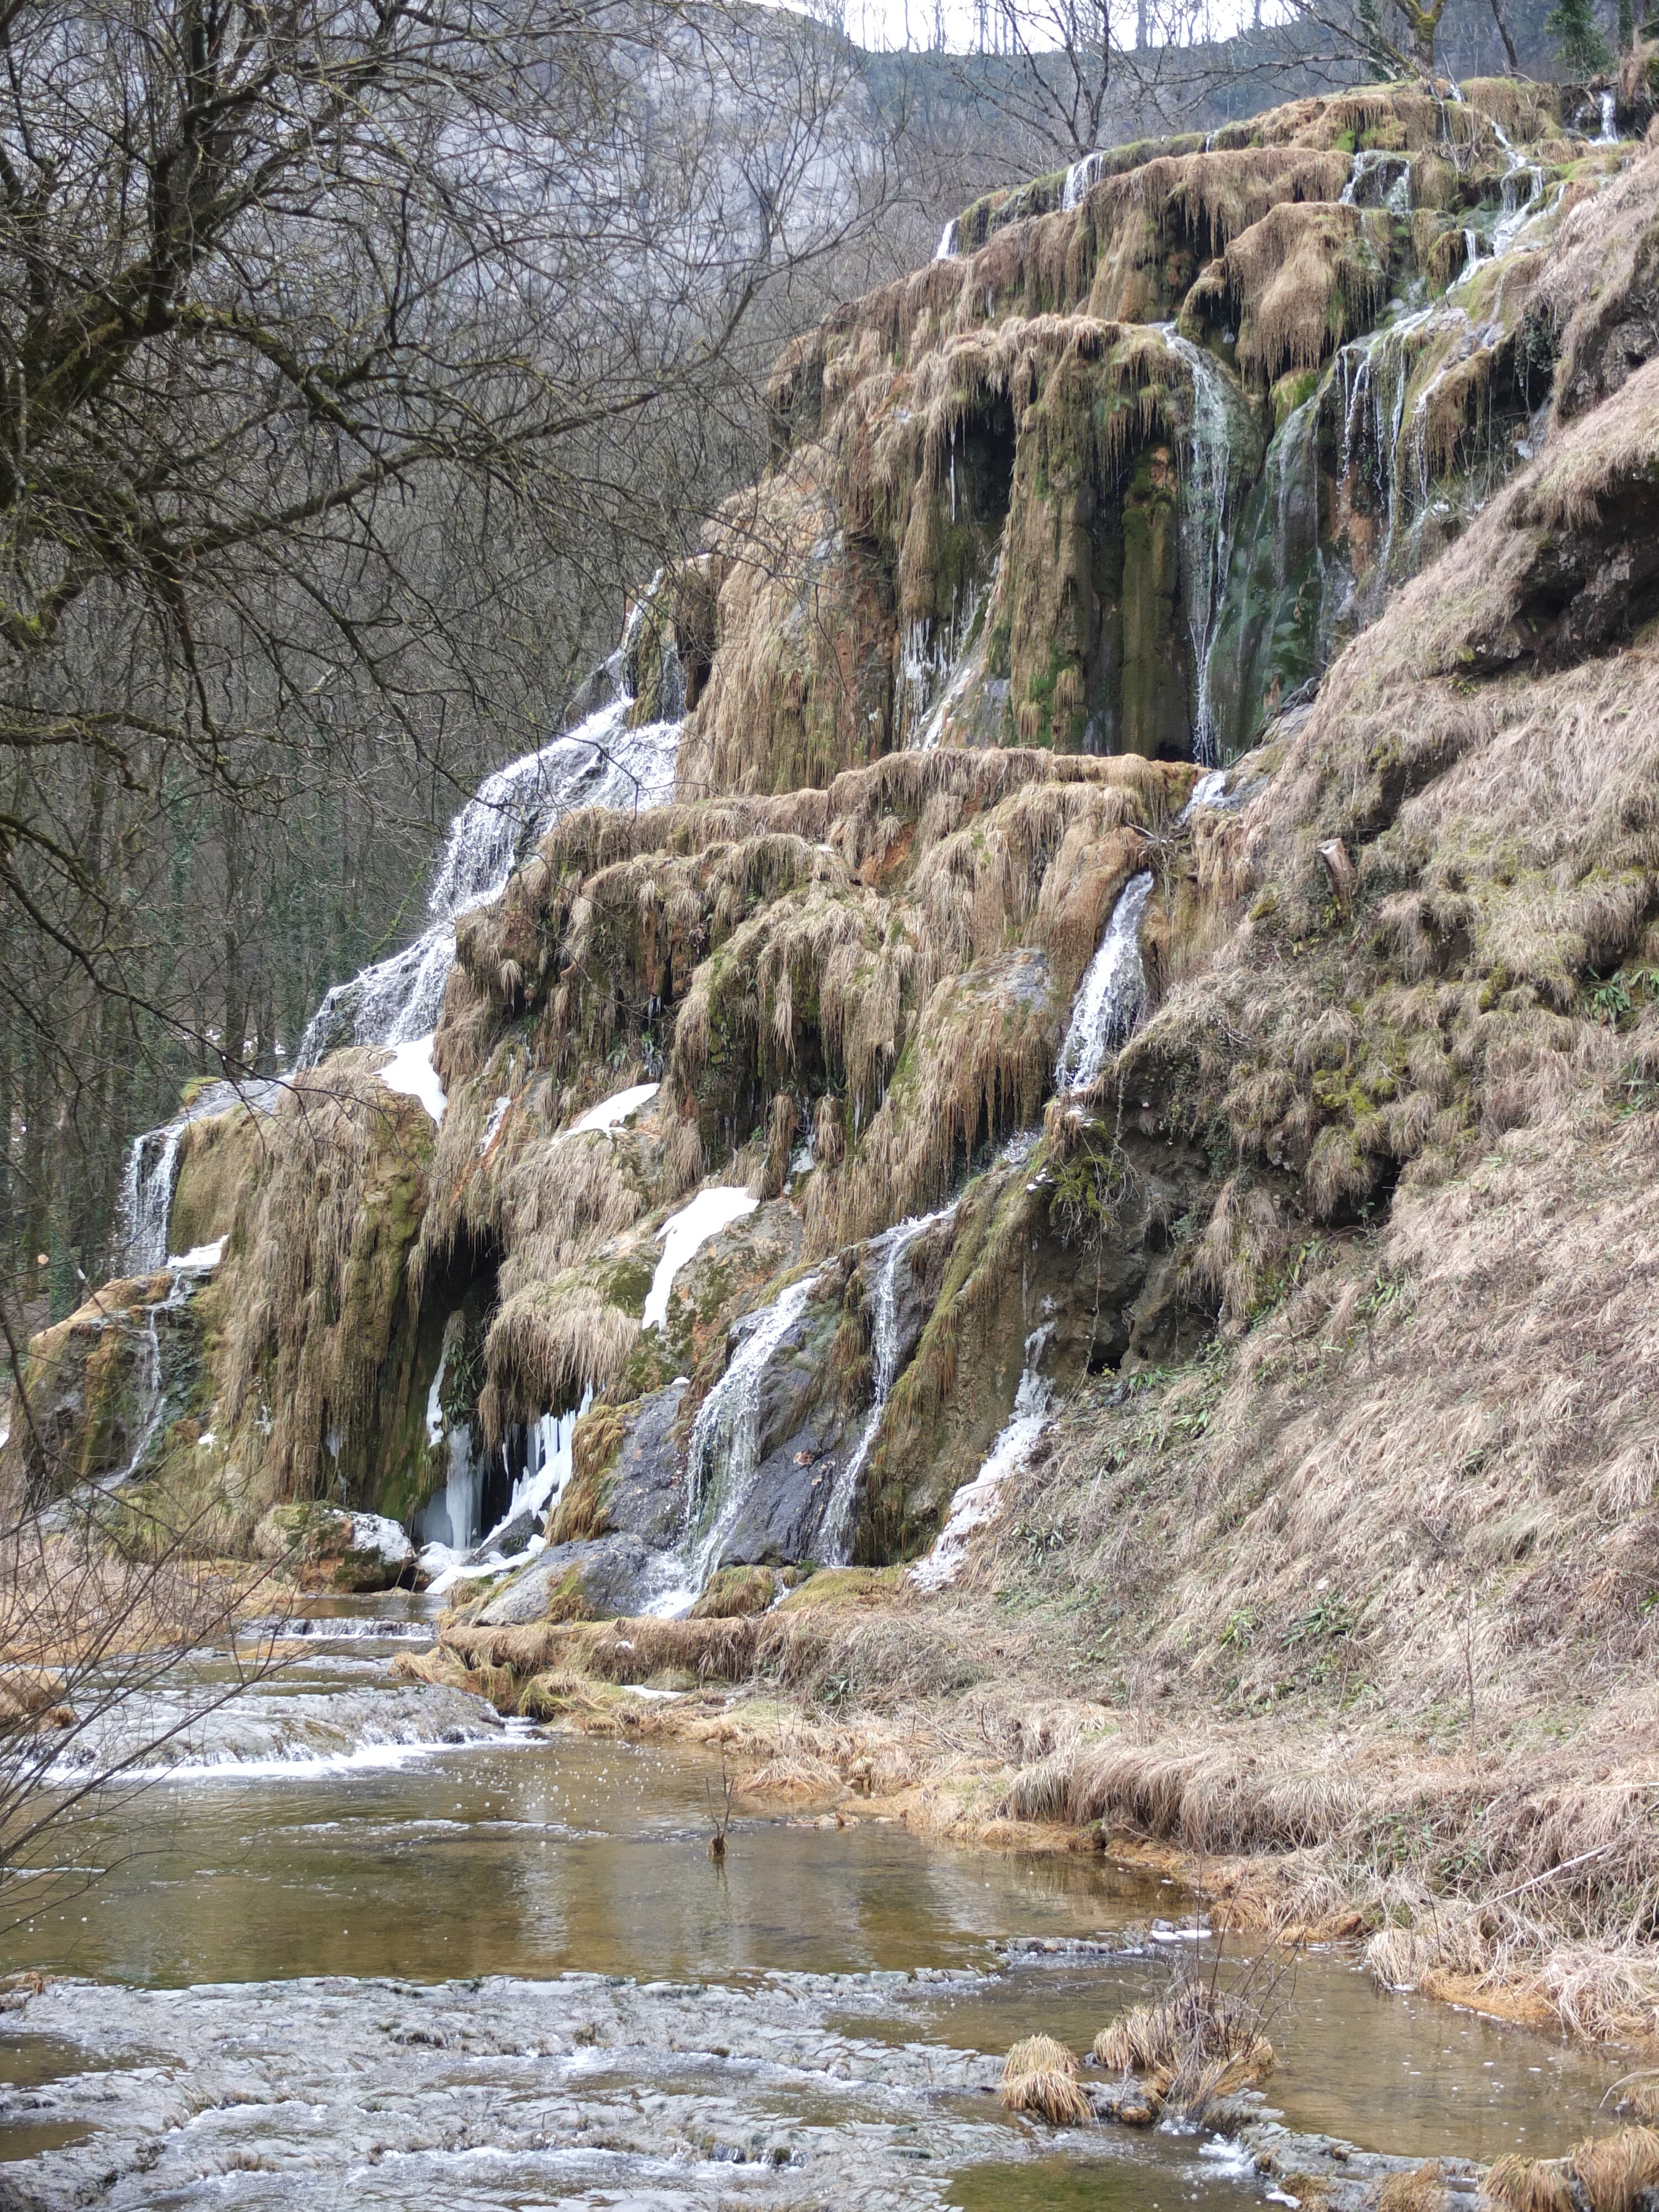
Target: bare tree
{"points": [[353, 359]]}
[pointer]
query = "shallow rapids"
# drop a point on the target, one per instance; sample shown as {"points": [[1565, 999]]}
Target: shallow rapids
{"points": [[351, 1951]]}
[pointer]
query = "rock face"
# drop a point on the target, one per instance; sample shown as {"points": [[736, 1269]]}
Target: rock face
{"points": [[1050, 525]]}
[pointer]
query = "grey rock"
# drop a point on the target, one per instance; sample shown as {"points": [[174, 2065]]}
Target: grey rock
{"points": [[607, 1578], [644, 1492]]}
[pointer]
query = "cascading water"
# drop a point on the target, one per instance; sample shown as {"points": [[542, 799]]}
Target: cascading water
{"points": [[724, 1453], [1609, 119], [1375, 372], [152, 1171], [1112, 994], [976, 1503], [1379, 179], [894, 1248], [947, 242], [599, 763], [1206, 520], [1079, 179]]}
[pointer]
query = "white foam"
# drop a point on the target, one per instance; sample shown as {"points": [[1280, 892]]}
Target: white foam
{"points": [[610, 1113], [684, 1232], [409, 1071]]}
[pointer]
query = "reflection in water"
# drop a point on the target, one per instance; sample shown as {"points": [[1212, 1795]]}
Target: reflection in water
{"points": [[529, 1857]]}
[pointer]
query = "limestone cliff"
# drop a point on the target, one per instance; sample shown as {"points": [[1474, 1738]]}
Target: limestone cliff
{"points": [[808, 1142]]}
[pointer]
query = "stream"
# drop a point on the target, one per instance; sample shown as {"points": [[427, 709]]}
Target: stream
{"points": [[367, 1945]]}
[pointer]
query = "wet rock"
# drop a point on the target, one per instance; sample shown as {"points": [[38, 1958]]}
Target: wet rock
{"points": [[602, 1580], [485, 2093], [644, 1494]]}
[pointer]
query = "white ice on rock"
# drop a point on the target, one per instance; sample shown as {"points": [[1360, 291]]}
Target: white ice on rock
{"points": [[976, 1503], [200, 1259], [684, 1233], [612, 1113], [409, 1071]]}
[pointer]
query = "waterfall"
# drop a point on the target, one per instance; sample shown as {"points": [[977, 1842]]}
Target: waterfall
{"points": [[1079, 178], [1609, 119], [1112, 994], [1206, 521], [1396, 193], [947, 242], [976, 1503], [151, 1174], [894, 1247], [932, 656], [724, 1452], [1376, 372], [599, 763]]}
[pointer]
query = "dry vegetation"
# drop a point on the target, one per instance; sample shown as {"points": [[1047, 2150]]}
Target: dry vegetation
{"points": [[1040, 2075]]}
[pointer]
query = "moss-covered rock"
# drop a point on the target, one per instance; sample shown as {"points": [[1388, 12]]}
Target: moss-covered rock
{"points": [[320, 1548]]}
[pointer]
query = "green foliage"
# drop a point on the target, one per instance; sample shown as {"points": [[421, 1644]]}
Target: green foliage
{"points": [[1572, 25], [1085, 1191], [1613, 999], [1330, 1617]]}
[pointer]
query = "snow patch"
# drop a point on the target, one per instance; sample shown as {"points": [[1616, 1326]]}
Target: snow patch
{"points": [[410, 1070], [610, 1113], [682, 1234], [386, 1539], [199, 1260]]}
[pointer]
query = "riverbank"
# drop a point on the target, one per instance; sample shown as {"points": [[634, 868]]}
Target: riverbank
{"points": [[1503, 1868]]}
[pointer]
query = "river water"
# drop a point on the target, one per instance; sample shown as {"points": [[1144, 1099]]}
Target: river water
{"points": [[337, 1959]]}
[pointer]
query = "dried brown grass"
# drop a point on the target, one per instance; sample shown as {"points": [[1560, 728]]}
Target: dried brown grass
{"points": [[1613, 2172], [1202, 2041], [1041, 2076], [315, 1285]]}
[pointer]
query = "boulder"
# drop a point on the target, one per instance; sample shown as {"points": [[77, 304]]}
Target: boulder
{"points": [[606, 1579], [325, 1547]]}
